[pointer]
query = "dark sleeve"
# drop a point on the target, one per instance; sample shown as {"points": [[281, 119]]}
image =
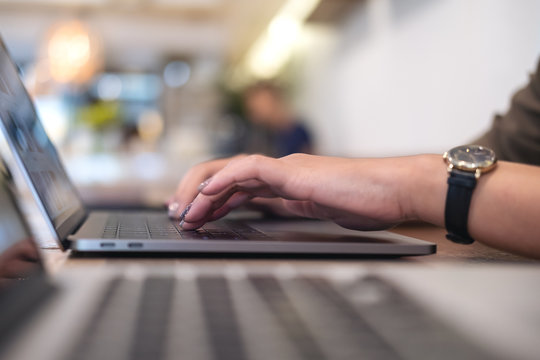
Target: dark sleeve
{"points": [[515, 136], [294, 140], [301, 140]]}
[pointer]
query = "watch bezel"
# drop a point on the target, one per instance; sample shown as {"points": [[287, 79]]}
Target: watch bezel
{"points": [[471, 167]]}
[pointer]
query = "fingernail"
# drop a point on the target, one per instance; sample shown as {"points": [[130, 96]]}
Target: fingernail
{"points": [[173, 208], [204, 184], [184, 213]]}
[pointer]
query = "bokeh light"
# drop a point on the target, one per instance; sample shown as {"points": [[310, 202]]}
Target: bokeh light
{"points": [[176, 74], [74, 53]]}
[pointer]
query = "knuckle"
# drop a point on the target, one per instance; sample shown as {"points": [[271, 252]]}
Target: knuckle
{"points": [[240, 156], [255, 158], [235, 159], [202, 167], [196, 170], [203, 171]]}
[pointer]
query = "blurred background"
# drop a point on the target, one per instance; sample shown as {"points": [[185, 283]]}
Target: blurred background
{"points": [[134, 92]]}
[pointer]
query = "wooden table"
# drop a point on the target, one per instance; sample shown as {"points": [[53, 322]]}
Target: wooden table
{"points": [[447, 252]]}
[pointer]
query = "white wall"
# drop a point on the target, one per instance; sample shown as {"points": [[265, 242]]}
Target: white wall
{"points": [[408, 76]]}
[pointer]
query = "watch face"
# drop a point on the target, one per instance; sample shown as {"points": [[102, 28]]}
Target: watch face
{"points": [[471, 157]]}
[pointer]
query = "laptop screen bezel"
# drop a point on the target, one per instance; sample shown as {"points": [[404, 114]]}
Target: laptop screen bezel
{"points": [[77, 217]]}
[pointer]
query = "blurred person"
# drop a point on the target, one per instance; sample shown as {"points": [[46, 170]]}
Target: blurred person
{"points": [[503, 206], [275, 128]]}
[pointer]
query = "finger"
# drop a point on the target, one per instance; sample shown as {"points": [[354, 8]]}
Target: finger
{"points": [[173, 208], [18, 268], [235, 201], [247, 170], [203, 206], [187, 226], [188, 188], [187, 191]]}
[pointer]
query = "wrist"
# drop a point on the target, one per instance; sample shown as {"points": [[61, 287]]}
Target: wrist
{"points": [[423, 195]]}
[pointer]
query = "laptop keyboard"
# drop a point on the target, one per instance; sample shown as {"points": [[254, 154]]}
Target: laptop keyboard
{"points": [[264, 317], [159, 226]]}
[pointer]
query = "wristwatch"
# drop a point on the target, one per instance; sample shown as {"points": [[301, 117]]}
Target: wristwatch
{"points": [[465, 166]]}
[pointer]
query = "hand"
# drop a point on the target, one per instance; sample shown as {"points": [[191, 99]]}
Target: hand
{"points": [[188, 189], [368, 194], [363, 194]]}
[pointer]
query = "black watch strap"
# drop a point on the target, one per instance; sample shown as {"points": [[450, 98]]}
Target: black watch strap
{"points": [[458, 200]]}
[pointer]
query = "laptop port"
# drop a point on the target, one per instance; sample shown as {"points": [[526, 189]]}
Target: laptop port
{"points": [[107, 244], [136, 245]]}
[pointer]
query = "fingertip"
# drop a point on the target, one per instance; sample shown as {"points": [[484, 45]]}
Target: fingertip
{"points": [[187, 226], [173, 209], [210, 188], [234, 202], [204, 184], [185, 212]]}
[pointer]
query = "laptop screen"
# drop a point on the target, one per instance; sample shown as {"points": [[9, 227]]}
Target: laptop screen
{"points": [[35, 152]]}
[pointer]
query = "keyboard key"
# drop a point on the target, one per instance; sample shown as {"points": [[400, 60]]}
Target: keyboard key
{"points": [[159, 226], [152, 319], [108, 333], [351, 336], [286, 314], [408, 327], [188, 337], [221, 320]]}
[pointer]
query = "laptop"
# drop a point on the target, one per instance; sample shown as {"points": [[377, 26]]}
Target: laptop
{"points": [[213, 312], [136, 231]]}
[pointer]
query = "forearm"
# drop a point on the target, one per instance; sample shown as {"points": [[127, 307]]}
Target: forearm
{"points": [[505, 207]]}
